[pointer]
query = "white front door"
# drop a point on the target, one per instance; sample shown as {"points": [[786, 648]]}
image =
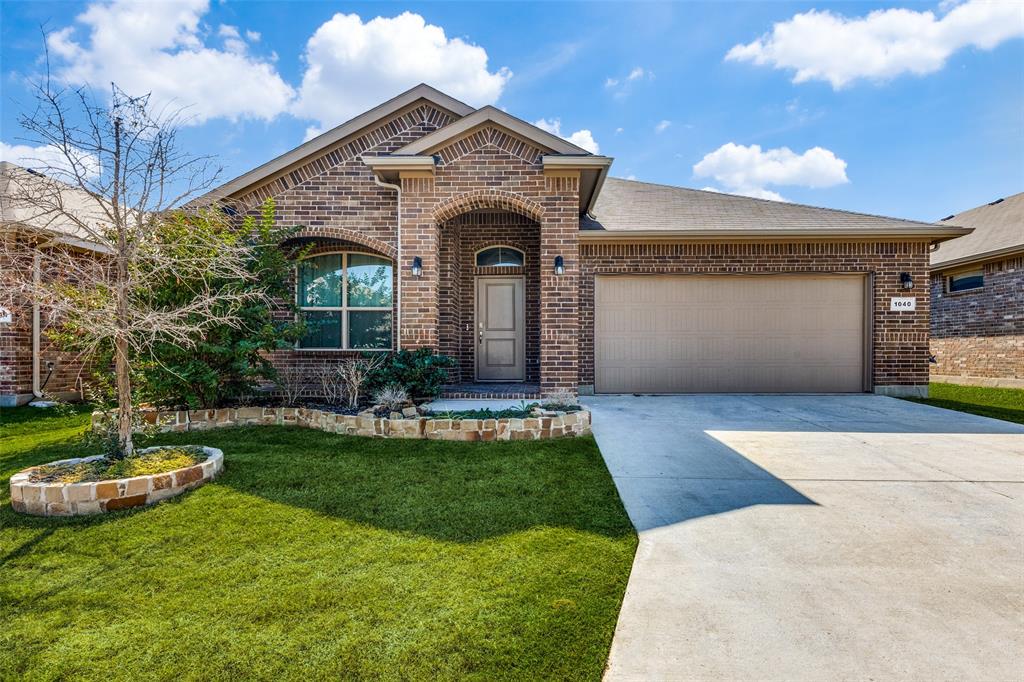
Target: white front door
{"points": [[500, 333]]}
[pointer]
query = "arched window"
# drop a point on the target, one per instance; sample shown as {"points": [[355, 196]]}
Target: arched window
{"points": [[346, 301], [500, 257]]}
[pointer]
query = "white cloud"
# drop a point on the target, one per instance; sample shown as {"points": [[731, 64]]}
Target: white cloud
{"points": [[584, 138], [747, 170], [822, 45], [353, 65], [662, 126], [619, 130], [638, 73], [754, 192], [581, 138], [48, 159], [622, 85], [161, 48]]}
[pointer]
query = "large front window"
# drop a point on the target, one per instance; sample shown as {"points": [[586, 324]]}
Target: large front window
{"points": [[346, 301]]}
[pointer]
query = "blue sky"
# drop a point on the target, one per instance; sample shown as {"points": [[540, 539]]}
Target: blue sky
{"points": [[913, 110]]}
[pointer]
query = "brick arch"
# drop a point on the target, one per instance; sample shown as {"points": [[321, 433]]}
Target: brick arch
{"points": [[348, 235], [488, 198]]}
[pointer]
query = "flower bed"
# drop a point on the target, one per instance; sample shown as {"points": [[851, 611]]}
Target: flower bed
{"points": [[548, 424], [56, 498]]}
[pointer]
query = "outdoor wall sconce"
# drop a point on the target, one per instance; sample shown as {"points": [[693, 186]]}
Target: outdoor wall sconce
{"points": [[559, 265], [417, 266], [906, 281]]}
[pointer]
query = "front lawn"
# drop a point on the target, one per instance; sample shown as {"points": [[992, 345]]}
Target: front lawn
{"points": [[999, 403], [318, 556]]}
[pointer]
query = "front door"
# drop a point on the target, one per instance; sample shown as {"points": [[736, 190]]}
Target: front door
{"points": [[500, 355]]}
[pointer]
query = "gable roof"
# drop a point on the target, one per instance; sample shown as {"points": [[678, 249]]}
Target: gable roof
{"points": [[482, 116], [998, 231], [631, 209], [336, 134]]}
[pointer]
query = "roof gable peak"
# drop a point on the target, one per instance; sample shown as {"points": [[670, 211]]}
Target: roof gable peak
{"points": [[490, 114]]}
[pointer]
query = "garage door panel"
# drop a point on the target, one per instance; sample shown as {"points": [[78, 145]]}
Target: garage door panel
{"points": [[660, 334]]}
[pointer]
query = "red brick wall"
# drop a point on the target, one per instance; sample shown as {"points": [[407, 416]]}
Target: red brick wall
{"points": [[900, 339], [977, 335]]}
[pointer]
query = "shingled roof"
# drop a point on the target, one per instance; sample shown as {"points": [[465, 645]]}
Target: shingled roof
{"points": [[627, 208], [998, 231]]}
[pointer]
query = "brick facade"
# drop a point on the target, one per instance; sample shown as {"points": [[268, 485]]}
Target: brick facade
{"points": [[977, 335], [489, 187], [899, 339]]}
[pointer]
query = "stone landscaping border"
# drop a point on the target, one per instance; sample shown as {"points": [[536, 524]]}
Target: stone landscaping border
{"points": [[74, 499], [547, 425]]}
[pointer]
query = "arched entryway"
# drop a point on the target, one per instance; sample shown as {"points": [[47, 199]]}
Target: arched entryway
{"points": [[489, 295]]}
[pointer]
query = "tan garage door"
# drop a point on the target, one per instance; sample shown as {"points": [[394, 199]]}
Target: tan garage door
{"points": [[722, 334]]}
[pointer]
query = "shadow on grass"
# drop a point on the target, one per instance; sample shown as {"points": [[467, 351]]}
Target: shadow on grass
{"points": [[461, 492]]}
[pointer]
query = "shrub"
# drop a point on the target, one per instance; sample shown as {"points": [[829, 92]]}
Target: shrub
{"points": [[422, 372], [560, 399], [392, 397], [230, 360], [356, 373]]}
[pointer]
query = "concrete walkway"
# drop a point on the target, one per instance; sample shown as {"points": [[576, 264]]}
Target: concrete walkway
{"points": [[816, 538]]}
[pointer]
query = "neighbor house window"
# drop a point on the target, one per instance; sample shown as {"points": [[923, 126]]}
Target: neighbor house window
{"points": [[499, 257], [346, 301], [963, 281]]}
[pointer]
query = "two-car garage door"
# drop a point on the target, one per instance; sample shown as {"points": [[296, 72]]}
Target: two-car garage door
{"points": [[759, 334]]}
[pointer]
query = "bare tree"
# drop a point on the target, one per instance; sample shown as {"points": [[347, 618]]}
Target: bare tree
{"points": [[355, 372], [113, 174]]}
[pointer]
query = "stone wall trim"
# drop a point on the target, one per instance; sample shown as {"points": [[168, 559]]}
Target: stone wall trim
{"points": [[96, 497], [558, 425]]}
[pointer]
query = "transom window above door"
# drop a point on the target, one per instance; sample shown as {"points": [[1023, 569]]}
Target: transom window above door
{"points": [[500, 257], [346, 301]]}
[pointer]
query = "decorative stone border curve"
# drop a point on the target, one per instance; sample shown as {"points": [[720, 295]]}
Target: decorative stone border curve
{"points": [[549, 425], [74, 499]]}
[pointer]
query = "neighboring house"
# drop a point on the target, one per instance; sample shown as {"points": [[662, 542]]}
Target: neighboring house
{"points": [[30, 365], [477, 234], [977, 285]]}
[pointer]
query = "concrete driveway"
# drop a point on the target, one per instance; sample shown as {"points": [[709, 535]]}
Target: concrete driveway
{"points": [[816, 538]]}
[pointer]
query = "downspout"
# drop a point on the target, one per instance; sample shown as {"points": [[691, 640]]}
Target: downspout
{"points": [[398, 258], [36, 280]]}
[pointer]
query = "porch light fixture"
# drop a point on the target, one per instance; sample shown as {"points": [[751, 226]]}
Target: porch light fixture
{"points": [[417, 266], [906, 281], [559, 265]]}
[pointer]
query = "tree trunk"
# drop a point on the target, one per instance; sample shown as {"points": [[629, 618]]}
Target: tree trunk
{"points": [[125, 446]]}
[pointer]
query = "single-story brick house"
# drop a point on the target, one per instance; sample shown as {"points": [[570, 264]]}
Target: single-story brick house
{"points": [[477, 234], [977, 288], [434, 224]]}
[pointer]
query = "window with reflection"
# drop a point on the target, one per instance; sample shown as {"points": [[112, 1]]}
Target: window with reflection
{"points": [[962, 281], [500, 257], [346, 301]]}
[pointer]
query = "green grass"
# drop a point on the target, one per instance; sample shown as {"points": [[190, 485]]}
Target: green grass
{"points": [[317, 556], [1000, 403]]}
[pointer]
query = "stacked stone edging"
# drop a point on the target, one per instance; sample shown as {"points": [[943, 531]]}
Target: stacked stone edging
{"points": [[73, 499], [552, 425]]}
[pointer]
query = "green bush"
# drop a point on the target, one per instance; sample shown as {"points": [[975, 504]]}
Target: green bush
{"points": [[230, 361], [421, 372]]}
